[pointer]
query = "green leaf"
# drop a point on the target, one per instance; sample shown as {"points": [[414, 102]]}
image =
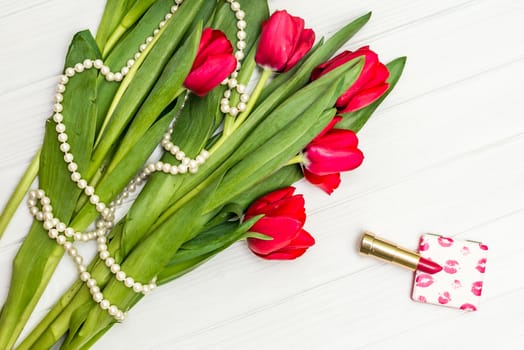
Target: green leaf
{"points": [[38, 251], [114, 11], [356, 120]]}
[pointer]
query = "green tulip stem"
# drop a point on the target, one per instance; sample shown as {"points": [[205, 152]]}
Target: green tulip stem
{"points": [[19, 193], [298, 159], [261, 84], [230, 123]]}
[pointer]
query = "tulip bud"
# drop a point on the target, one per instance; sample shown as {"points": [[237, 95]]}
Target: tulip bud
{"points": [[283, 42]]}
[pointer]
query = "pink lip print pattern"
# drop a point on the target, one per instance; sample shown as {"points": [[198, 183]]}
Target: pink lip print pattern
{"points": [[459, 284], [445, 241], [451, 266], [424, 280], [444, 298], [468, 307], [423, 245], [476, 288], [481, 265]]}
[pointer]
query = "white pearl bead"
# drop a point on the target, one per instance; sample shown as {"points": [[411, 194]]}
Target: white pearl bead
{"points": [[146, 289], [101, 240], [182, 168], [98, 297], [240, 14], [124, 71], [120, 275], [185, 161], [104, 255], [149, 39], [120, 316], [81, 268], [89, 190], [168, 16], [39, 216], [112, 310], [174, 8], [61, 227], [72, 252], [63, 79], [57, 107], [82, 184], [58, 97], [166, 168], [239, 55], [79, 67], [232, 83], [64, 147], [104, 304], [91, 283], [241, 45], [88, 64], [156, 31], [129, 281], [58, 118], [70, 72], [53, 233], [235, 6], [137, 56], [115, 268], [98, 64], [241, 24], [60, 88], [100, 207], [68, 157], [102, 247], [94, 199], [180, 155], [84, 276], [72, 167], [48, 225], [105, 70], [75, 176], [158, 166], [224, 108], [241, 88], [94, 289], [233, 111], [137, 287], [241, 107], [110, 76], [118, 76], [78, 260], [142, 47], [244, 98], [178, 2], [110, 262], [62, 137], [173, 170]]}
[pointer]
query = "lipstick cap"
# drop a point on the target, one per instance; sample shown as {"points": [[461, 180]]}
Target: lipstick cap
{"points": [[388, 251], [460, 283]]}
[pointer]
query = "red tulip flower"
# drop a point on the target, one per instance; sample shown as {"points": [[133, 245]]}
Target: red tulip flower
{"points": [[213, 63], [369, 86], [330, 153], [283, 42], [283, 220]]}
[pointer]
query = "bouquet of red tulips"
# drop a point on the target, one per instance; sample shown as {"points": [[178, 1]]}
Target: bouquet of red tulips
{"points": [[158, 73]]}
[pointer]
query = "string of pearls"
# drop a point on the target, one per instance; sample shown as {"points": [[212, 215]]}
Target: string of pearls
{"points": [[232, 82], [40, 205]]}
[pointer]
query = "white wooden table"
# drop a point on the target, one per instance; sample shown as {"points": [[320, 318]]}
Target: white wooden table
{"points": [[444, 154]]}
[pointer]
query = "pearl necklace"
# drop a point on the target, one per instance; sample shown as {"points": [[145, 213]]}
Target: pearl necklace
{"points": [[40, 205]]}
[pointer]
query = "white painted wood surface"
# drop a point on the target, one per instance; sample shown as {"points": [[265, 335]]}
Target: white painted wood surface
{"points": [[443, 155]]}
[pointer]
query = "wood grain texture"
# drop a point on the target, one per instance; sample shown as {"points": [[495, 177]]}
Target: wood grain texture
{"points": [[443, 155]]}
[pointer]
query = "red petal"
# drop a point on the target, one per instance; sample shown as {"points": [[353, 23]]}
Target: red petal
{"points": [[204, 78], [257, 207], [278, 39], [303, 240], [328, 127], [365, 98], [327, 183], [305, 43], [282, 229]]}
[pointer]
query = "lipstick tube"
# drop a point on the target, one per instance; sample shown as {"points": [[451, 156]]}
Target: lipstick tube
{"points": [[392, 253]]}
